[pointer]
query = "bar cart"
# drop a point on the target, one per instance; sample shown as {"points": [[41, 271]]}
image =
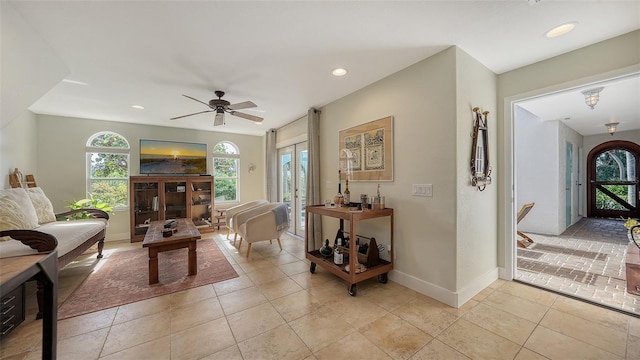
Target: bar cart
{"points": [[345, 213]]}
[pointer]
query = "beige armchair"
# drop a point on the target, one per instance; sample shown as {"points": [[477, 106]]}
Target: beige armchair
{"points": [[232, 211], [266, 222]]}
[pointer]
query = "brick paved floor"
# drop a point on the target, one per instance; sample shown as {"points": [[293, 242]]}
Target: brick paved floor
{"points": [[586, 261]]}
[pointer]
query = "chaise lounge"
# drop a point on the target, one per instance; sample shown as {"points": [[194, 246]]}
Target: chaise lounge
{"points": [[28, 226]]}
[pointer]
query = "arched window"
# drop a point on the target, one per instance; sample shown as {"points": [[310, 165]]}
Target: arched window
{"points": [[226, 159], [108, 169]]}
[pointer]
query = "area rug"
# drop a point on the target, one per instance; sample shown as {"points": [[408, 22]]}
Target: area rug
{"points": [[123, 278]]}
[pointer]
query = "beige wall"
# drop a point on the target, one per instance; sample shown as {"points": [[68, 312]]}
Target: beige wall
{"points": [[29, 66], [61, 159], [613, 57], [444, 243], [18, 147], [293, 133], [475, 210]]}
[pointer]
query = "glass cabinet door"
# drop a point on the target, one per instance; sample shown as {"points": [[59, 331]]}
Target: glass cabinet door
{"points": [[175, 199], [201, 203], [146, 205]]}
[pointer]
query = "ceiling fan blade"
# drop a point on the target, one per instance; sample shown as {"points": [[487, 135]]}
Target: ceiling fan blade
{"points": [[246, 116], [219, 119], [242, 105], [200, 112], [194, 99]]}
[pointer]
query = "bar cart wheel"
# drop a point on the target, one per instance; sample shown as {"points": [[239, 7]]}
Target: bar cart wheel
{"points": [[353, 290]]}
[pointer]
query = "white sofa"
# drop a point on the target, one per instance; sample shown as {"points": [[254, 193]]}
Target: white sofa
{"points": [[28, 226]]}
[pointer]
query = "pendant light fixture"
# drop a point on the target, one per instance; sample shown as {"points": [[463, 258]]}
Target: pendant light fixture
{"points": [[592, 96]]}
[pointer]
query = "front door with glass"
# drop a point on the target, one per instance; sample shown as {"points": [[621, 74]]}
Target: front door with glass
{"points": [[613, 180]]}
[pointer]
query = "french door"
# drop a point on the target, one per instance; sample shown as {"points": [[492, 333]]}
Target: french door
{"points": [[292, 184], [612, 168]]}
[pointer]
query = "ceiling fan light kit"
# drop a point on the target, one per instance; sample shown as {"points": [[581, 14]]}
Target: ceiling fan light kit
{"points": [[220, 106]]}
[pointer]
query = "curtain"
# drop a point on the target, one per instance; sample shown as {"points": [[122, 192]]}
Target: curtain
{"points": [[272, 166], [314, 229]]}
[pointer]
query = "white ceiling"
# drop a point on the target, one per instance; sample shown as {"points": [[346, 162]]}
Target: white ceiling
{"points": [[619, 102], [280, 54]]}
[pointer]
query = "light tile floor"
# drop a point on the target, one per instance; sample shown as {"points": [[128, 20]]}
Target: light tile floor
{"points": [[586, 261], [276, 309]]}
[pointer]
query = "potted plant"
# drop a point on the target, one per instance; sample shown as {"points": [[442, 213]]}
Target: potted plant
{"points": [[89, 203], [633, 227]]}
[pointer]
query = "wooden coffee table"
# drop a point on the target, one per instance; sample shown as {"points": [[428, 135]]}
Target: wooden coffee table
{"points": [[186, 236]]}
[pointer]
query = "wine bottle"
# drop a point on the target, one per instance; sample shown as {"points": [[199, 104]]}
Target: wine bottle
{"points": [[347, 193], [339, 199]]}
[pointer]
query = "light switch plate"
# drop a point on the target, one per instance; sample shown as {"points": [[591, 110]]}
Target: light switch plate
{"points": [[425, 190]]}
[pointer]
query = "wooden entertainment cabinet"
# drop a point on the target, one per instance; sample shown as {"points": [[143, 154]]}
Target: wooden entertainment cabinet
{"points": [[154, 198]]}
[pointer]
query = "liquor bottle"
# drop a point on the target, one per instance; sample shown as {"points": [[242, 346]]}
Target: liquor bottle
{"points": [[347, 193], [339, 199]]}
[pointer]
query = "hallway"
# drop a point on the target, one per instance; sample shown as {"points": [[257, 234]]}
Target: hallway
{"points": [[586, 261]]}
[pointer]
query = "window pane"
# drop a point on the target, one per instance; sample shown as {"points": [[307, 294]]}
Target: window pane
{"points": [[226, 189], [225, 167], [112, 192], [615, 165], [225, 148], [110, 140], [105, 165]]}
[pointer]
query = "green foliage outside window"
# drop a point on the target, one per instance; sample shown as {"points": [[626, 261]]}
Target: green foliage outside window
{"points": [[612, 165], [109, 170], [604, 202], [225, 172]]}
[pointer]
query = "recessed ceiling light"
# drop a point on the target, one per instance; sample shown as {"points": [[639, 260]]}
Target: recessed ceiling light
{"points": [[561, 29], [74, 82], [138, 107], [339, 72]]}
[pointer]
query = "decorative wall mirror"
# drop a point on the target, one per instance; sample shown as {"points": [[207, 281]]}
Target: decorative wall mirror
{"points": [[480, 165]]}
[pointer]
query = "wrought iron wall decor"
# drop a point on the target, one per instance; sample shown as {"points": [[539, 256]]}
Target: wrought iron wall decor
{"points": [[480, 160]]}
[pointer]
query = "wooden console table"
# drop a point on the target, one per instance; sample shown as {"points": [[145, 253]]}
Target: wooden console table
{"points": [[14, 271]]}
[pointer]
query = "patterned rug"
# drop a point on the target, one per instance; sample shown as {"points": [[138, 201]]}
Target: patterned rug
{"points": [[123, 278]]}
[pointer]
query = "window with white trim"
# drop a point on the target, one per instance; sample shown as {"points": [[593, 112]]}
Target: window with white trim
{"points": [[226, 159], [108, 169]]}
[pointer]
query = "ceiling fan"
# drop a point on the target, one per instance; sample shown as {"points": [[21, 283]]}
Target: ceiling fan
{"points": [[221, 106]]}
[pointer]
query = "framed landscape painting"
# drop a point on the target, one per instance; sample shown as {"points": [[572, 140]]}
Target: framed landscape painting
{"points": [[366, 151]]}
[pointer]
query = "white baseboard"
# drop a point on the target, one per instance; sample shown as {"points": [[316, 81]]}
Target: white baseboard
{"points": [[478, 284], [504, 274], [451, 298]]}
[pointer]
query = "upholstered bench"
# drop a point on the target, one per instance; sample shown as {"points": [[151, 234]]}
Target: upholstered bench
{"points": [[28, 226]]}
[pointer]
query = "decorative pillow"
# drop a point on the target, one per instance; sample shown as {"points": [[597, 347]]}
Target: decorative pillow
{"points": [[42, 204], [16, 211]]}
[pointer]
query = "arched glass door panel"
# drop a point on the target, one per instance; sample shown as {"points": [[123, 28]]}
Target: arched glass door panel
{"points": [[613, 190]]}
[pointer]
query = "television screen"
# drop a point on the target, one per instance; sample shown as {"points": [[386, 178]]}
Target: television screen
{"points": [[172, 157]]}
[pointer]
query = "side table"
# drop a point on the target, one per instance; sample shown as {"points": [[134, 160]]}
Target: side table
{"points": [[220, 218], [14, 271]]}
